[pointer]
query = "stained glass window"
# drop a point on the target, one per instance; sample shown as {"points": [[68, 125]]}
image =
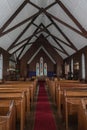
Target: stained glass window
{"points": [[41, 66], [45, 69], [37, 69]]}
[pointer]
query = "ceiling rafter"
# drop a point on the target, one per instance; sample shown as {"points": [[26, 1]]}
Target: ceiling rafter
{"points": [[20, 46], [51, 5], [12, 17], [63, 34], [72, 17], [57, 48], [19, 24], [65, 24], [47, 36], [28, 39], [48, 25], [61, 41], [20, 35], [36, 36], [42, 29], [27, 43], [21, 42], [24, 49], [46, 8], [54, 46], [64, 51], [53, 37], [55, 40], [21, 51], [34, 5]]}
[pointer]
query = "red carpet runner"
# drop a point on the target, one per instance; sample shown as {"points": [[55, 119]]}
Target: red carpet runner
{"points": [[44, 119]]}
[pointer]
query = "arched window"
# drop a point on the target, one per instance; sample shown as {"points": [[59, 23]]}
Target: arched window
{"points": [[1, 66], [83, 66], [37, 69], [41, 66], [45, 69]]}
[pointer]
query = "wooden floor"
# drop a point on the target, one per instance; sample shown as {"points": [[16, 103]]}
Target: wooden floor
{"points": [[59, 122]]}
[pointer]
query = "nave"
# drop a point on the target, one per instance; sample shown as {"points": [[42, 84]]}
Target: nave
{"points": [[43, 105], [44, 114]]}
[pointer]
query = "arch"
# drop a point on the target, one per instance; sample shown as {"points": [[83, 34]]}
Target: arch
{"points": [[41, 66], [37, 69], [45, 69]]}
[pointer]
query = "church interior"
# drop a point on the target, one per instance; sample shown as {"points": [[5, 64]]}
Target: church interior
{"points": [[43, 65]]}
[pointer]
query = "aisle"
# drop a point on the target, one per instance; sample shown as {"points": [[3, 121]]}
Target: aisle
{"points": [[44, 119]]}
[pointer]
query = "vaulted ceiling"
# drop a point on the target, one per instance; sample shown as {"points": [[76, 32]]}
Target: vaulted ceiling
{"points": [[62, 22]]}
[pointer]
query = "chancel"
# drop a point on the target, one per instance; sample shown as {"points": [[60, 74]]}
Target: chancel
{"points": [[43, 65]]}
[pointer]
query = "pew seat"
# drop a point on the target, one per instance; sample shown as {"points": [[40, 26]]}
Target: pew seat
{"points": [[7, 115]]}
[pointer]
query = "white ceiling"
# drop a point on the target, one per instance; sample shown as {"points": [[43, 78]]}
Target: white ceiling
{"points": [[78, 8]]}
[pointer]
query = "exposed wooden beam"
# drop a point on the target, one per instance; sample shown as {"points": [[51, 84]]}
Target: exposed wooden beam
{"points": [[21, 42], [46, 8], [63, 34], [13, 16], [59, 39], [71, 16], [55, 40], [51, 5], [20, 35], [65, 24], [64, 51], [49, 25], [62, 41], [19, 24], [45, 29], [34, 5], [36, 36], [27, 40], [42, 29], [21, 52], [27, 43], [47, 36], [58, 49], [24, 49]]}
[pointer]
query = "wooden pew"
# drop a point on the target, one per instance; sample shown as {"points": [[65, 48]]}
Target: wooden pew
{"points": [[71, 102], [68, 81], [53, 83], [82, 115], [63, 86], [7, 115], [30, 84], [21, 85], [19, 99], [19, 90], [52, 90]]}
